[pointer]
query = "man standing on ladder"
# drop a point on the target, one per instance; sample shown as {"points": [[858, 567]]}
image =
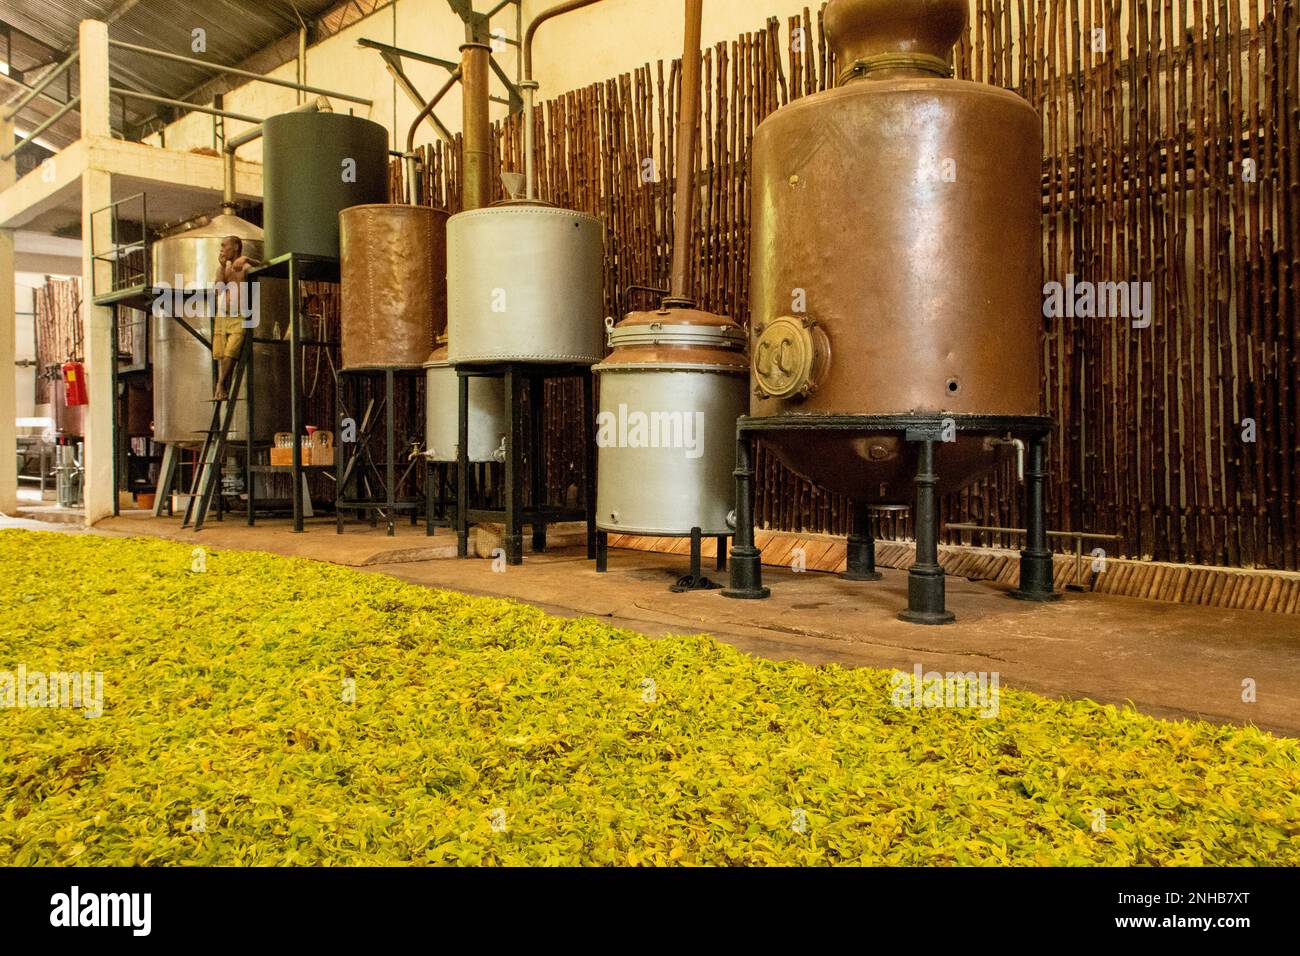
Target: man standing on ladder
{"points": [[228, 328]]}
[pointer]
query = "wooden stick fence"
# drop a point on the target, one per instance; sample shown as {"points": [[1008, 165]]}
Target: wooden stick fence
{"points": [[1170, 158]]}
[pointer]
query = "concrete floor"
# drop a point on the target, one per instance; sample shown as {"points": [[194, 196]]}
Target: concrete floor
{"points": [[1166, 659]]}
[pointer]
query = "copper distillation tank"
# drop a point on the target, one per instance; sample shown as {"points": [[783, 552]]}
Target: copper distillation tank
{"points": [[895, 290], [672, 388]]}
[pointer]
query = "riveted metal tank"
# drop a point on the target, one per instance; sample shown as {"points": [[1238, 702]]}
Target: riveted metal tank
{"points": [[314, 165], [394, 284], [182, 366], [487, 413], [895, 252], [670, 393], [524, 284]]}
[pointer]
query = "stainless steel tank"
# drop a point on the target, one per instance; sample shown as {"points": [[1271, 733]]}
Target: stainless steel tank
{"points": [[394, 284], [314, 165], [487, 413], [69, 420], [670, 394], [524, 284], [895, 247], [182, 366]]}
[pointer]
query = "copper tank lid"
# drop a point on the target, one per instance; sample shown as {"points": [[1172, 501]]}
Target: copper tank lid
{"points": [[894, 37], [677, 336], [677, 327]]}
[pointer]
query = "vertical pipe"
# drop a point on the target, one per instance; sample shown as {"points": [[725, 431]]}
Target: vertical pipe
{"points": [[530, 184], [687, 147], [476, 174], [302, 60], [529, 85]]}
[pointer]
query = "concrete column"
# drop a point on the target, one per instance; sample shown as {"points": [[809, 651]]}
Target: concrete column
{"points": [[97, 322], [8, 322]]}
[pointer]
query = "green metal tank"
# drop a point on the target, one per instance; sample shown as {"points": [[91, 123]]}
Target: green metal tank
{"points": [[314, 165]]}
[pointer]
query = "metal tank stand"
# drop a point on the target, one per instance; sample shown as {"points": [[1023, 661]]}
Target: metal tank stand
{"points": [[359, 467], [695, 581], [524, 465], [297, 269], [436, 512], [1036, 565], [860, 550], [746, 560], [441, 494], [926, 583]]}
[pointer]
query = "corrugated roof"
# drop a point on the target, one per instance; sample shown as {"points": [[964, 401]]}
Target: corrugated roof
{"points": [[233, 31]]}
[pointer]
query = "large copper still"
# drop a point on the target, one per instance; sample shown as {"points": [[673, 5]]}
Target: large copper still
{"points": [[394, 284], [896, 266]]}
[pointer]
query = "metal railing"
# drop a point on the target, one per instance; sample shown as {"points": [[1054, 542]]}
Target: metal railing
{"points": [[39, 88], [121, 256], [53, 118]]}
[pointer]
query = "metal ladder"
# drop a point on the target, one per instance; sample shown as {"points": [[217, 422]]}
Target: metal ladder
{"points": [[207, 472]]}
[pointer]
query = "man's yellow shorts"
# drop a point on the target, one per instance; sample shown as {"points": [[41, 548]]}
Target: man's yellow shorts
{"points": [[227, 339]]}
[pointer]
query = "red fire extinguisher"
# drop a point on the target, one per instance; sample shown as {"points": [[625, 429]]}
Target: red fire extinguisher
{"points": [[74, 384]]}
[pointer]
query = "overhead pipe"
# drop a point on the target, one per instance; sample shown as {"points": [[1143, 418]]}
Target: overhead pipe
{"points": [[412, 167], [235, 71], [319, 105], [180, 104], [687, 147], [529, 85], [41, 85]]}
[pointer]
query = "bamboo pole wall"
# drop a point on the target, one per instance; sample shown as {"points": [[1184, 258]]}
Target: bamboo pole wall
{"points": [[58, 329], [1170, 157]]}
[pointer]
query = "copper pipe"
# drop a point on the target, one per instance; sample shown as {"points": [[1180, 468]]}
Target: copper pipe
{"points": [[412, 191], [687, 146], [476, 176], [529, 86]]}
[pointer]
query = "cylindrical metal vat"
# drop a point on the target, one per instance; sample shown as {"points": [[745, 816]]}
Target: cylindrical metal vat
{"points": [[394, 284], [895, 251], [69, 420], [524, 284], [670, 394], [182, 367], [314, 165], [487, 413], [182, 381]]}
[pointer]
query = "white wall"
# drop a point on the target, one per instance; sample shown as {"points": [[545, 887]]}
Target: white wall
{"points": [[337, 63], [617, 36]]}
